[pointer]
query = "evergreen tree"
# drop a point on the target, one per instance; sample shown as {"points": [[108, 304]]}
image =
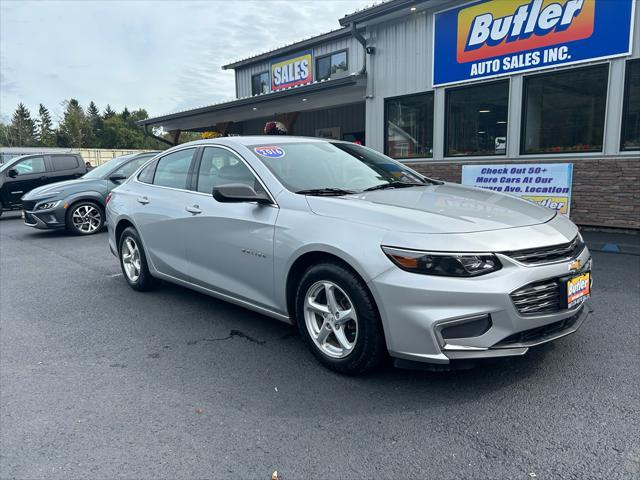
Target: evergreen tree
{"points": [[74, 129], [125, 114], [108, 112], [22, 130], [44, 128], [96, 123]]}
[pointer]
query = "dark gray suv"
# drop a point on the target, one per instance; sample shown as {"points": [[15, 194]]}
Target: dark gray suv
{"points": [[78, 205]]}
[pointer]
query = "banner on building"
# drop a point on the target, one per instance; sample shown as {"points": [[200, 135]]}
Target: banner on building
{"points": [[291, 71], [491, 38], [547, 184]]}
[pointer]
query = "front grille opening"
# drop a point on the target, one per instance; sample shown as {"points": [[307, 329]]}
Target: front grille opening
{"points": [[472, 328], [539, 333], [538, 297], [555, 253]]}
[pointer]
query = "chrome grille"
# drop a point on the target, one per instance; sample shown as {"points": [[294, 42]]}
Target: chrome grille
{"points": [[555, 253], [539, 297]]}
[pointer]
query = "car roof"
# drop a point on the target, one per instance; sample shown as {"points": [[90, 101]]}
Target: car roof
{"points": [[259, 140]]}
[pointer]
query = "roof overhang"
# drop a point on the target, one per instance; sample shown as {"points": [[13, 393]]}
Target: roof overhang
{"points": [[301, 45], [388, 11], [316, 96]]}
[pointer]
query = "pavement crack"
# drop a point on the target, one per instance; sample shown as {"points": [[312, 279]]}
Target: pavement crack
{"points": [[232, 333]]}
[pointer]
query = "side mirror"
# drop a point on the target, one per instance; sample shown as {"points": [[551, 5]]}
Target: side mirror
{"points": [[239, 192], [117, 178], [13, 173]]}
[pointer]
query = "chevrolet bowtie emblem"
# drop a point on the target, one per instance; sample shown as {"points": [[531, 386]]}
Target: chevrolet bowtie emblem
{"points": [[574, 266]]}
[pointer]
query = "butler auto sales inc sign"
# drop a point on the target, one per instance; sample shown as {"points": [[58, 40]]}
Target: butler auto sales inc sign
{"points": [[491, 38]]}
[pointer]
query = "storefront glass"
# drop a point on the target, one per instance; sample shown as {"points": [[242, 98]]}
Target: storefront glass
{"points": [[409, 126], [476, 119], [631, 118], [564, 112]]}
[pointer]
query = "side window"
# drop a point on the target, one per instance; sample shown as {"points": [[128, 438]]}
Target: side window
{"points": [[173, 169], [146, 175], [30, 165], [219, 167], [128, 168], [64, 162]]}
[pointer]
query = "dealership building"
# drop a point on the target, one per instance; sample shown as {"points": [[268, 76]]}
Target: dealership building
{"points": [[539, 98]]}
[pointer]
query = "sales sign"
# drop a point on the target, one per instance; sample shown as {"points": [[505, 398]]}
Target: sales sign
{"points": [[292, 71], [491, 38], [547, 184]]}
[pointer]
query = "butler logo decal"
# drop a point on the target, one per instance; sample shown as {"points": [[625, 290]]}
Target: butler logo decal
{"points": [[270, 151], [292, 71], [499, 37]]}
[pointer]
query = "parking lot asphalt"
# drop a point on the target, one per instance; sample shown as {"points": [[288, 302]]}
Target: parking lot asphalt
{"points": [[99, 381]]}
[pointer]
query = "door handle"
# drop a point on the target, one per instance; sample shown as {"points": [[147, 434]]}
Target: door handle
{"points": [[194, 209], [143, 200]]}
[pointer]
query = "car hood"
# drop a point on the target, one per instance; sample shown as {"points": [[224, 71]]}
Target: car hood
{"points": [[446, 208], [67, 187]]}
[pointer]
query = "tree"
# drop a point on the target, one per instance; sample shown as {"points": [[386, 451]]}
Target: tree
{"points": [[108, 112], [22, 130], [44, 128], [96, 123], [4, 135], [74, 129]]}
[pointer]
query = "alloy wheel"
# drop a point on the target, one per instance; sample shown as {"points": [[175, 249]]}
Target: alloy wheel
{"points": [[86, 218], [331, 319], [131, 259]]}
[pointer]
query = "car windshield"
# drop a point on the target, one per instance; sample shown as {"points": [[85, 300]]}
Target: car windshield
{"points": [[333, 168], [9, 163], [101, 171]]}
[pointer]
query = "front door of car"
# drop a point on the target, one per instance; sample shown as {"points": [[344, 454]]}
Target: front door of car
{"points": [[230, 245], [160, 196], [30, 173]]}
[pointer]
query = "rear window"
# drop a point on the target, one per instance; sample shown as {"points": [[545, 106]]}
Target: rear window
{"points": [[64, 162]]}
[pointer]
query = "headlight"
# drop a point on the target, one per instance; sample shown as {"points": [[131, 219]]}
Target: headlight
{"points": [[443, 264], [47, 205]]}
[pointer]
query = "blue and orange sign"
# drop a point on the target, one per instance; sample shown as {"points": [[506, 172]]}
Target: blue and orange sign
{"points": [[491, 38]]}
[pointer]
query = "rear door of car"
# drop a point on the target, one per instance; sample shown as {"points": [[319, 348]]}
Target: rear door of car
{"points": [[230, 245], [159, 196], [64, 167]]}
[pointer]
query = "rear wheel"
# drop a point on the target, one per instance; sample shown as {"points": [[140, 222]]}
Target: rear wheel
{"points": [[85, 218], [133, 261], [339, 319]]}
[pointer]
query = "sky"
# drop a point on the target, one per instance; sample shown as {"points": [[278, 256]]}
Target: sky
{"points": [[161, 55]]}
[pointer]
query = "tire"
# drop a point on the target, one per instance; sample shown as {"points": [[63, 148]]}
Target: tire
{"points": [[139, 279], [84, 218], [363, 331]]}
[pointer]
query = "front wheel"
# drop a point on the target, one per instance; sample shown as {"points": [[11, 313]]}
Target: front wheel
{"points": [[133, 261], [339, 319], [85, 218]]}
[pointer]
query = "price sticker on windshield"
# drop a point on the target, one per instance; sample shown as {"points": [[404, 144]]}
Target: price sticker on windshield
{"points": [[270, 151]]}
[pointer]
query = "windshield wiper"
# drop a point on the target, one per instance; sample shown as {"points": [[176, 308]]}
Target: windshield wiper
{"points": [[384, 186], [325, 191]]}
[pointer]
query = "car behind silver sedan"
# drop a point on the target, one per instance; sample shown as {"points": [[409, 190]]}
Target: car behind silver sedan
{"points": [[365, 255]]}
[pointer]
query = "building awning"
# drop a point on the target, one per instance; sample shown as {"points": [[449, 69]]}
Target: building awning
{"points": [[318, 95]]}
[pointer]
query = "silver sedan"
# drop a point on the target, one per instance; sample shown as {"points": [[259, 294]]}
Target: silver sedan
{"points": [[368, 257]]}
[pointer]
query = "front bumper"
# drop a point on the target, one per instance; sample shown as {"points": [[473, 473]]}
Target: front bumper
{"points": [[44, 219], [416, 308]]}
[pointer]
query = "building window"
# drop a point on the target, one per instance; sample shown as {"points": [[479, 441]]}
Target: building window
{"points": [[631, 115], [332, 66], [260, 83], [409, 126], [563, 112], [476, 119]]}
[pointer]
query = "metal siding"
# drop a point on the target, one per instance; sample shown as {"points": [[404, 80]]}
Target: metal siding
{"points": [[355, 56], [401, 65]]}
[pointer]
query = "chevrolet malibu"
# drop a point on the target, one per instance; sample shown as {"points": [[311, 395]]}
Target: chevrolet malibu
{"points": [[365, 255]]}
